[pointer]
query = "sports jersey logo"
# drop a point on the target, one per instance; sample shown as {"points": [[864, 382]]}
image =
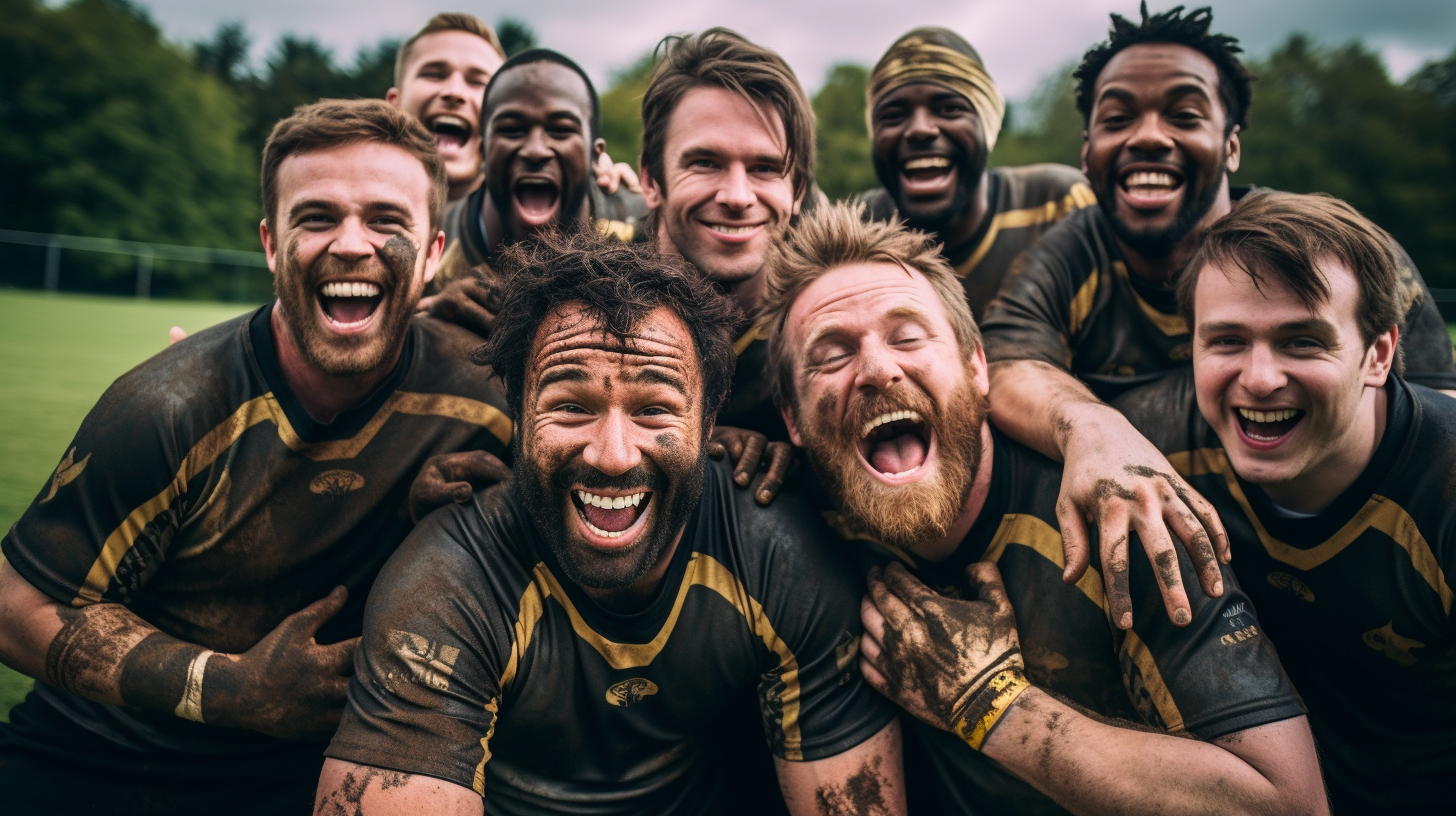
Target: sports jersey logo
{"points": [[1292, 586], [66, 472], [336, 482], [630, 691], [422, 661], [1394, 646]]}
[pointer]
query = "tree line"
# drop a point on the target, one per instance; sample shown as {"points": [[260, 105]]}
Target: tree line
{"points": [[108, 129]]}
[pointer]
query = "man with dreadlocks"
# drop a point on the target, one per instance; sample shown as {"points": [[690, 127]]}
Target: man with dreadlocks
{"points": [[934, 115], [1090, 312]]}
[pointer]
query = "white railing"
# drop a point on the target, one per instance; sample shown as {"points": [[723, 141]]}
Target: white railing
{"points": [[144, 252]]}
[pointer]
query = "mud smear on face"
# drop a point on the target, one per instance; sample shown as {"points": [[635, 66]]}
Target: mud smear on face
{"points": [[860, 795]]}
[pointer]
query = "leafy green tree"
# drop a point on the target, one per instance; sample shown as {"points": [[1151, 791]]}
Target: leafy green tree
{"points": [[1045, 128], [622, 110], [844, 166], [515, 35]]}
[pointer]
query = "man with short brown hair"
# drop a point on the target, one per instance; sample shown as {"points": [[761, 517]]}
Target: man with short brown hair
{"points": [[165, 586]]}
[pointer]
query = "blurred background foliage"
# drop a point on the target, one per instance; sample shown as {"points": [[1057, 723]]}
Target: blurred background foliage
{"points": [[108, 129]]}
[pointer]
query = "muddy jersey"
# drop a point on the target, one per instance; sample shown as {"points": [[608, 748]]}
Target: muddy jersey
{"points": [[484, 666], [199, 494], [1358, 598], [1072, 302], [750, 402], [1023, 203], [1216, 676]]}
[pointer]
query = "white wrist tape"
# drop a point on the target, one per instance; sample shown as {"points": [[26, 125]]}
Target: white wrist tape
{"points": [[190, 708]]}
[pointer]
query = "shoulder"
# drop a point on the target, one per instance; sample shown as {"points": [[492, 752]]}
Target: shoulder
{"points": [[205, 376], [1165, 411], [442, 362], [787, 535], [1437, 431], [1034, 184]]}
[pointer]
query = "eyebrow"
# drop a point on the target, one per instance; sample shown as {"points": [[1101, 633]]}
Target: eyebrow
{"points": [[570, 373], [713, 153], [333, 206], [1313, 324], [653, 374], [1125, 95]]}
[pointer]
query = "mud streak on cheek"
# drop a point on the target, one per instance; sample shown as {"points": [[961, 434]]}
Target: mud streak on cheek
{"points": [[399, 254]]}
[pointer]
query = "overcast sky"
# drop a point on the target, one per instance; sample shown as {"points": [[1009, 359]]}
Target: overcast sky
{"points": [[1020, 40]]}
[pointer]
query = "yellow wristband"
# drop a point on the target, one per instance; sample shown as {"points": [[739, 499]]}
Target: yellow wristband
{"points": [[1007, 686]]}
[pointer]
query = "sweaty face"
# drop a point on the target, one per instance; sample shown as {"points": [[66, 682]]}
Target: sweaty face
{"points": [[1291, 391], [347, 257], [1156, 152], [610, 458], [887, 408], [725, 192], [929, 153], [538, 148], [442, 85]]}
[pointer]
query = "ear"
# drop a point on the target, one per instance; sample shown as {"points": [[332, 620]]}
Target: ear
{"points": [[392, 97], [1085, 145], [1233, 151], [1380, 357], [787, 413], [651, 193], [599, 148], [980, 371], [433, 253], [270, 249]]}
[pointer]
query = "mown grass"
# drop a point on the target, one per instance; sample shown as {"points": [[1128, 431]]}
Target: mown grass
{"points": [[58, 353]]}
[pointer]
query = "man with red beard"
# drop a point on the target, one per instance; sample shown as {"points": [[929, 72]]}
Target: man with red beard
{"points": [[572, 642], [165, 586], [934, 115], [881, 378], [1090, 310]]}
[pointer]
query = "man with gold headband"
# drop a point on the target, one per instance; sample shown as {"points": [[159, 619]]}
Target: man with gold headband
{"points": [[934, 115]]}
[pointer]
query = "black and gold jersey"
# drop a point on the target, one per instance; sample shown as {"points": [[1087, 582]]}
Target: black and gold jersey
{"points": [[482, 665], [750, 402], [1358, 598], [201, 495], [1216, 676], [1071, 302], [1023, 203]]}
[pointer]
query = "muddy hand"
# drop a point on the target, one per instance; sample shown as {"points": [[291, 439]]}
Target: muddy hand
{"points": [[469, 301], [287, 685], [931, 654], [751, 452], [452, 478]]}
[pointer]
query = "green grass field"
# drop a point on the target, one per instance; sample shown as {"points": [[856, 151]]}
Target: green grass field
{"points": [[58, 353]]}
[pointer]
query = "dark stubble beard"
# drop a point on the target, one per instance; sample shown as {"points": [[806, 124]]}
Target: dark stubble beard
{"points": [[547, 497], [337, 355], [969, 170], [1159, 243], [903, 516]]}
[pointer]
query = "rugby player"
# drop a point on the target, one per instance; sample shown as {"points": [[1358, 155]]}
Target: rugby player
{"points": [[881, 378], [189, 586], [567, 643], [934, 115], [1091, 310], [1334, 475]]}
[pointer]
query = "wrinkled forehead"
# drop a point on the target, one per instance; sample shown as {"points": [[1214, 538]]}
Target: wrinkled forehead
{"points": [[545, 86], [1156, 68], [459, 49], [576, 336], [864, 297]]}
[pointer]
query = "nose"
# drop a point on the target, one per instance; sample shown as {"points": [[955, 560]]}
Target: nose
{"points": [[737, 191], [922, 127], [1150, 134], [352, 242], [612, 450], [1262, 374], [535, 148], [455, 88], [877, 369]]}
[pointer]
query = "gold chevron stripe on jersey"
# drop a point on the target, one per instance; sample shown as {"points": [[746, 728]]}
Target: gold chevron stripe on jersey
{"points": [[1379, 513], [1170, 325], [1052, 211], [266, 409], [703, 570]]}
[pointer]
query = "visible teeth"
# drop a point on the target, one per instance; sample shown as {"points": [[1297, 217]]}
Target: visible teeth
{"points": [[903, 472], [1147, 179], [1268, 416], [893, 416], [451, 121], [603, 533], [610, 502], [349, 289], [927, 163], [730, 230]]}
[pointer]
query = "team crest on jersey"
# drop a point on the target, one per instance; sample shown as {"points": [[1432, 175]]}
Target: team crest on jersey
{"points": [[631, 691], [66, 472], [1394, 646], [1291, 586], [336, 482], [422, 661]]}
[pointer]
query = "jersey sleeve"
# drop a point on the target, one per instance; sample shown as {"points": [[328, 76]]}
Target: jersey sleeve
{"points": [[814, 702], [1030, 317], [427, 682], [1425, 342], [1217, 675]]}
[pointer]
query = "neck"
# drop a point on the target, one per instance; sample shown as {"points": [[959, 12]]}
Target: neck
{"points": [[640, 594], [323, 395], [747, 293], [460, 188], [971, 510], [958, 233], [1161, 270], [1325, 479]]}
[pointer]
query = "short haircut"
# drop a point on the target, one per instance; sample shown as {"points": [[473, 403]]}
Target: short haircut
{"points": [[618, 283], [1285, 236], [1235, 83], [446, 21], [535, 55], [334, 123], [837, 236], [720, 58]]}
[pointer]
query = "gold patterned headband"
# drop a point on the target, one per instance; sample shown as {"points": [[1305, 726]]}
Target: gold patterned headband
{"points": [[914, 60]]}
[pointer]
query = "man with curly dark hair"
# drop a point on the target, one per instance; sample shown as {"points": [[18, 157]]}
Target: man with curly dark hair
{"points": [[570, 643], [1089, 312]]}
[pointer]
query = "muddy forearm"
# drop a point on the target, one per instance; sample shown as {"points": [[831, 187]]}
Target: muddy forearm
{"points": [[867, 779], [1040, 405], [106, 653]]}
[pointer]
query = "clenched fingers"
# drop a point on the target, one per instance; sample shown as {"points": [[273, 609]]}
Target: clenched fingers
{"points": [[985, 579], [308, 619], [747, 464], [780, 456]]}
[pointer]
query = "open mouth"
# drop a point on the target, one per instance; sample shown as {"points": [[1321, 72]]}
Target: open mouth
{"points": [[926, 175], [611, 520], [451, 132], [349, 304], [734, 233], [536, 199], [1151, 189], [896, 445], [1267, 428]]}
